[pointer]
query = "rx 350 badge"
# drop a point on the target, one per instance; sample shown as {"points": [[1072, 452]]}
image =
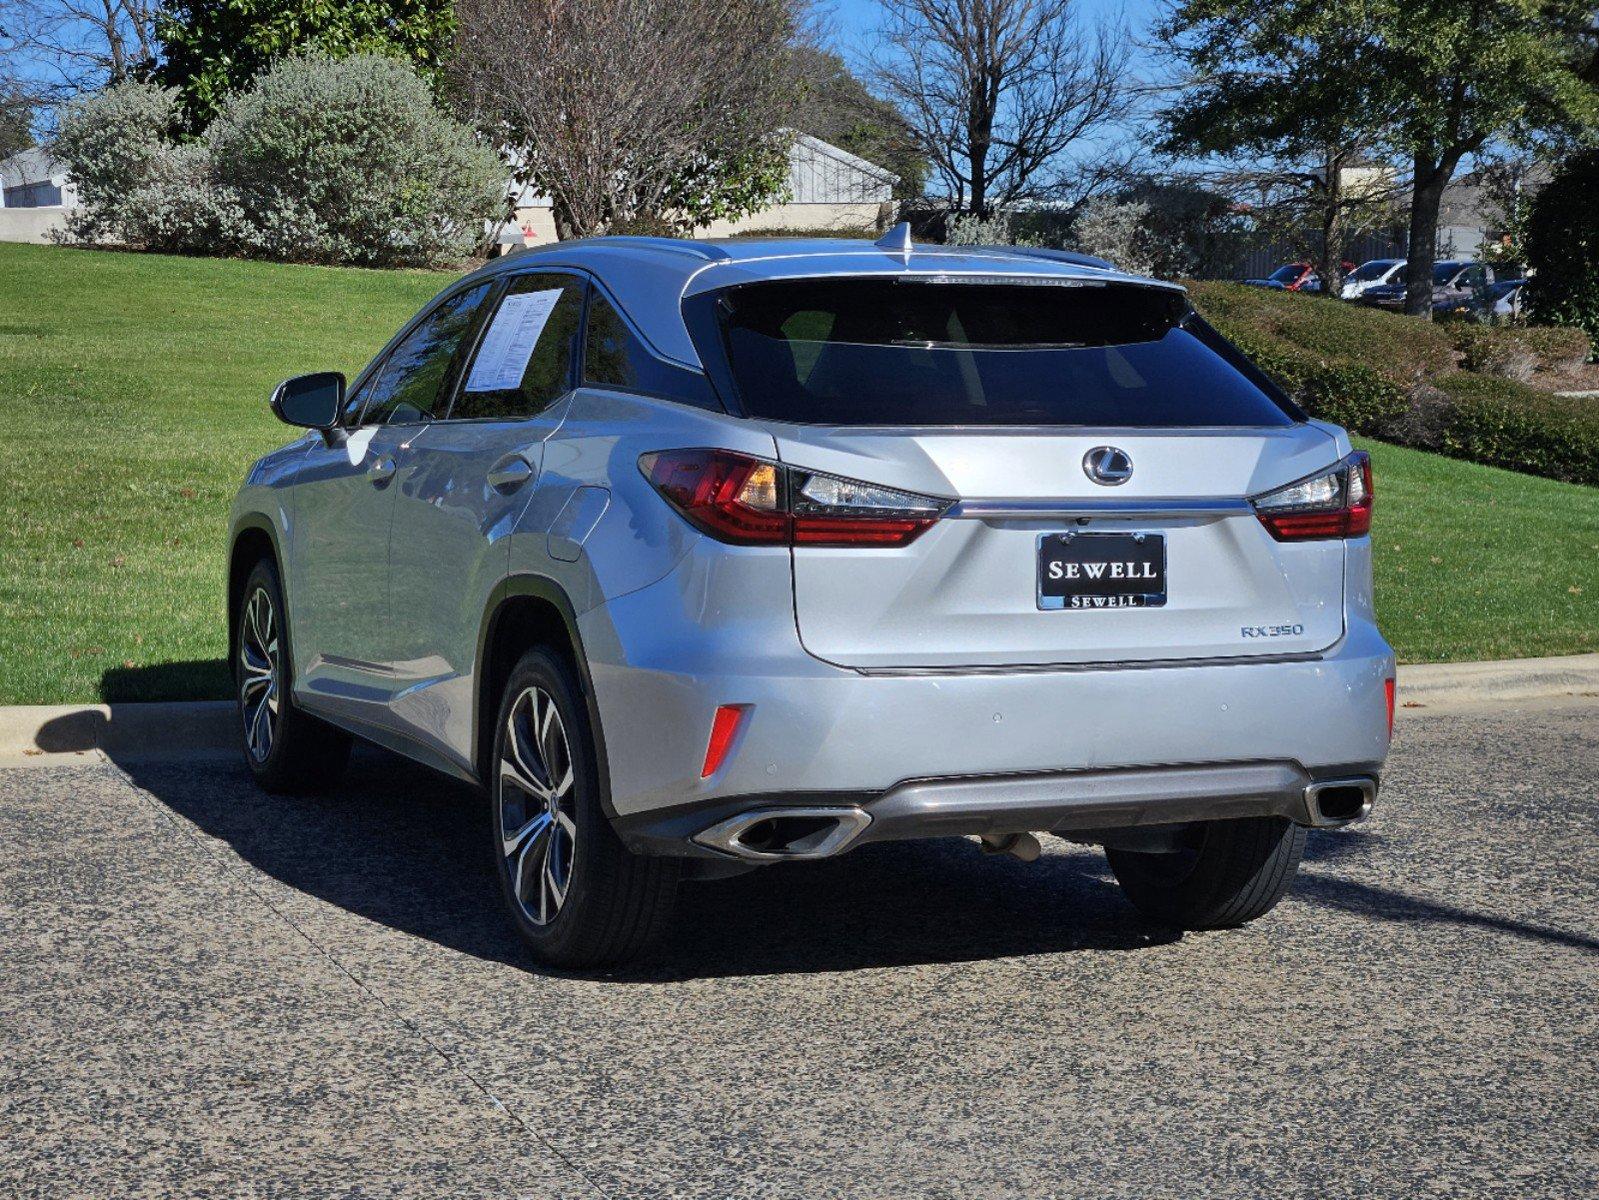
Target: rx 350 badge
{"points": [[1271, 631]]}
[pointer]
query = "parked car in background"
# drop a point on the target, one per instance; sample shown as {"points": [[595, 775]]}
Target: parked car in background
{"points": [[1377, 273], [1506, 298], [1293, 277], [1459, 288], [696, 557]]}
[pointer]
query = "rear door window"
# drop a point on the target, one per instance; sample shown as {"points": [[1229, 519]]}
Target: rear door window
{"points": [[926, 351], [524, 358]]}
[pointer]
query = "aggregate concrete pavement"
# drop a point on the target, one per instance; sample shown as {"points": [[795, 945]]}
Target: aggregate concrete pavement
{"points": [[208, 991]]}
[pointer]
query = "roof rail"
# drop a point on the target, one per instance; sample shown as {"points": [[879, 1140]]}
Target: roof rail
{"points": [[673, 246], [698, 250], [1066, 256]]}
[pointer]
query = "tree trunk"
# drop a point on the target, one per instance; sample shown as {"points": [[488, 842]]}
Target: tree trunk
{"points": [[1331, 264], [566, 227], [1426, 194]]}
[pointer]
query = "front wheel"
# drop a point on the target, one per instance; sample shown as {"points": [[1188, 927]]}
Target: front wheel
{"points": [[578, 897], [1230, 872]]}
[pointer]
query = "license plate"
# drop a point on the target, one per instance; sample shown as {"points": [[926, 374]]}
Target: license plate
{"points": [[1101, 570]]}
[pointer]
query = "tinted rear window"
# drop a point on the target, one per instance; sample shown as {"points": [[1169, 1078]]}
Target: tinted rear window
{"points": [[925, 352]]}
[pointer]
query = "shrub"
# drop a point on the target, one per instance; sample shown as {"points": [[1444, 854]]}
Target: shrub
{"points": [[178, 208], [110, 140], [1392, 377], [1406, 350], [1515, 352], [350, 161], [1563, 247], [1506, 424], [1493, 351], [967, 229], [1124, 232], [333, 161], [1353, 395], [1558, 347]]}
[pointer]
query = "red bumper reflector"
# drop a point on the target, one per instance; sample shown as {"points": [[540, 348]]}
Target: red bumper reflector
{"points": [[724, 726], [1388, 690]]}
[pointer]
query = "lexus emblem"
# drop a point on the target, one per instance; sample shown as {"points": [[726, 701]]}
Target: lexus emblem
{"points": [[1108, 465]]}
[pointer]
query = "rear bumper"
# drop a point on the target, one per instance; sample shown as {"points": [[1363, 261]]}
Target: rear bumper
{"points": [[662, 659], [1071, 802]]}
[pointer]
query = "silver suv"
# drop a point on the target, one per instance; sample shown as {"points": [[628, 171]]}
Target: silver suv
{"points": [[697, 556]]}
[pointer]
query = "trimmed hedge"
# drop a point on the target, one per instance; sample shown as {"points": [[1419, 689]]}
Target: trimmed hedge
{"points": [[1515, 353], [1505, 424], [1353, 395], [1401, 347], [1393, 377]]}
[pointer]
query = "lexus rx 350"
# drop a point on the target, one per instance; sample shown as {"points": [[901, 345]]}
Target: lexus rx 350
{"points": [[697, 556]]}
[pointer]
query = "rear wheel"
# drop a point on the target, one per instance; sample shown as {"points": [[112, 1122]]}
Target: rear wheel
{"points": [[286, 750], [1229, 873], [578, 897]]}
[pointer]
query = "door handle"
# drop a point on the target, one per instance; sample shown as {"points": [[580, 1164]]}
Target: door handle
{"points": [[381, 470], [510, 473]]}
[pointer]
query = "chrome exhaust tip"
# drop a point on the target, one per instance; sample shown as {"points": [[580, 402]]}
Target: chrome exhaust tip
{"points": [[1330, 803], [786, 834]]}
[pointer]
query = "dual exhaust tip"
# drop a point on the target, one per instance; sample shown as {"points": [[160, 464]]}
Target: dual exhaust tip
{"points": [[1330, 803], [787, 834]]}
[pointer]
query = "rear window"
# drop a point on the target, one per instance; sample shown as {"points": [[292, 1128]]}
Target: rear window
{"points": [[912, 351]]}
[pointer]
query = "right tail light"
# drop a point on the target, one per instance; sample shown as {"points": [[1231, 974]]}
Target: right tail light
{"points": [[748, 501], [1335, 503]]}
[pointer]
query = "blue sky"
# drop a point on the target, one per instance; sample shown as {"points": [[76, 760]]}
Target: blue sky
{"points": [[854, 19]]}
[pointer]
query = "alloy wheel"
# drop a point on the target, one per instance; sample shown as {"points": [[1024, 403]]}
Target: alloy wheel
{"points": [[535, 804], [260, 673]]}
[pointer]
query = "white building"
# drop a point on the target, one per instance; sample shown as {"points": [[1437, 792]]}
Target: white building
{"points": [[35, 196], [828, 189]]}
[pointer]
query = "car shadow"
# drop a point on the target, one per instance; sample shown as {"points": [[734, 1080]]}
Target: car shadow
{"points": [[398, 845]]}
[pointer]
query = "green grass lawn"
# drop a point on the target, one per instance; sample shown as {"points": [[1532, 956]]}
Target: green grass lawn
{"points": [[133, 396]]}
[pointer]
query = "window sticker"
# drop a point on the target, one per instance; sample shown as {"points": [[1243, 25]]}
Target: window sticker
{"points": [[503, 357]]}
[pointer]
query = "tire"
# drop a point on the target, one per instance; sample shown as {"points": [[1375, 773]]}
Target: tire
{"points": [[576, 895], [1234, 872], [288, 751]]}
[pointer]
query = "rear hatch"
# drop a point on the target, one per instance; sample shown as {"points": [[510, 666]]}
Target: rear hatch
{"points": [[1096, 446], [970, 591]]}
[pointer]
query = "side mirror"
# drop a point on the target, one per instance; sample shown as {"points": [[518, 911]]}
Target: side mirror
{"points": [[310, 401]]}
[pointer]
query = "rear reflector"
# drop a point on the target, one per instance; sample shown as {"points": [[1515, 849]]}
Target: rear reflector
{"points": [[724, 727], [1335, 503], [747, 501], [1388, 691]]}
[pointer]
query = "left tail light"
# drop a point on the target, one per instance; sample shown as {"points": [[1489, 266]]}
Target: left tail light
{"points": [[1336, 503], [748, 501]]}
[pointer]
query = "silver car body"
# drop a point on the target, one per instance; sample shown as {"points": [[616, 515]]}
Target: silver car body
{"points": [[1379, 272], [922, 686]]}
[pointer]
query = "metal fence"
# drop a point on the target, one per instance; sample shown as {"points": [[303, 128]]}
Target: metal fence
{"points": [[1246, 258]]}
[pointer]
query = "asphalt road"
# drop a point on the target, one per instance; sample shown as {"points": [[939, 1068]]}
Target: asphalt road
{"points": [[206, 991]]}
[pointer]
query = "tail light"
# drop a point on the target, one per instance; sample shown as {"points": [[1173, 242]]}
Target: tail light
{"points": [[1333, 504], [749, 501]]}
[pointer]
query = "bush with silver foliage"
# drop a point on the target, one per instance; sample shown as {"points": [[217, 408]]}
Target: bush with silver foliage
{"points": [[321, 160]]}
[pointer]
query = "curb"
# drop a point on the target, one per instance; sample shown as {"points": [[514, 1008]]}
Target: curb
{"points": [[54, 734], [1475, 684]]}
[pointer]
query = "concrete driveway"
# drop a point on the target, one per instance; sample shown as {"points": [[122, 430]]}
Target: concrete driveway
{"points": [[206, 991]]}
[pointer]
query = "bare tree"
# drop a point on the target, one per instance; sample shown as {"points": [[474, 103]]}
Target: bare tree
{"points": [[632, 111], [997, 91], [87, 43]]}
